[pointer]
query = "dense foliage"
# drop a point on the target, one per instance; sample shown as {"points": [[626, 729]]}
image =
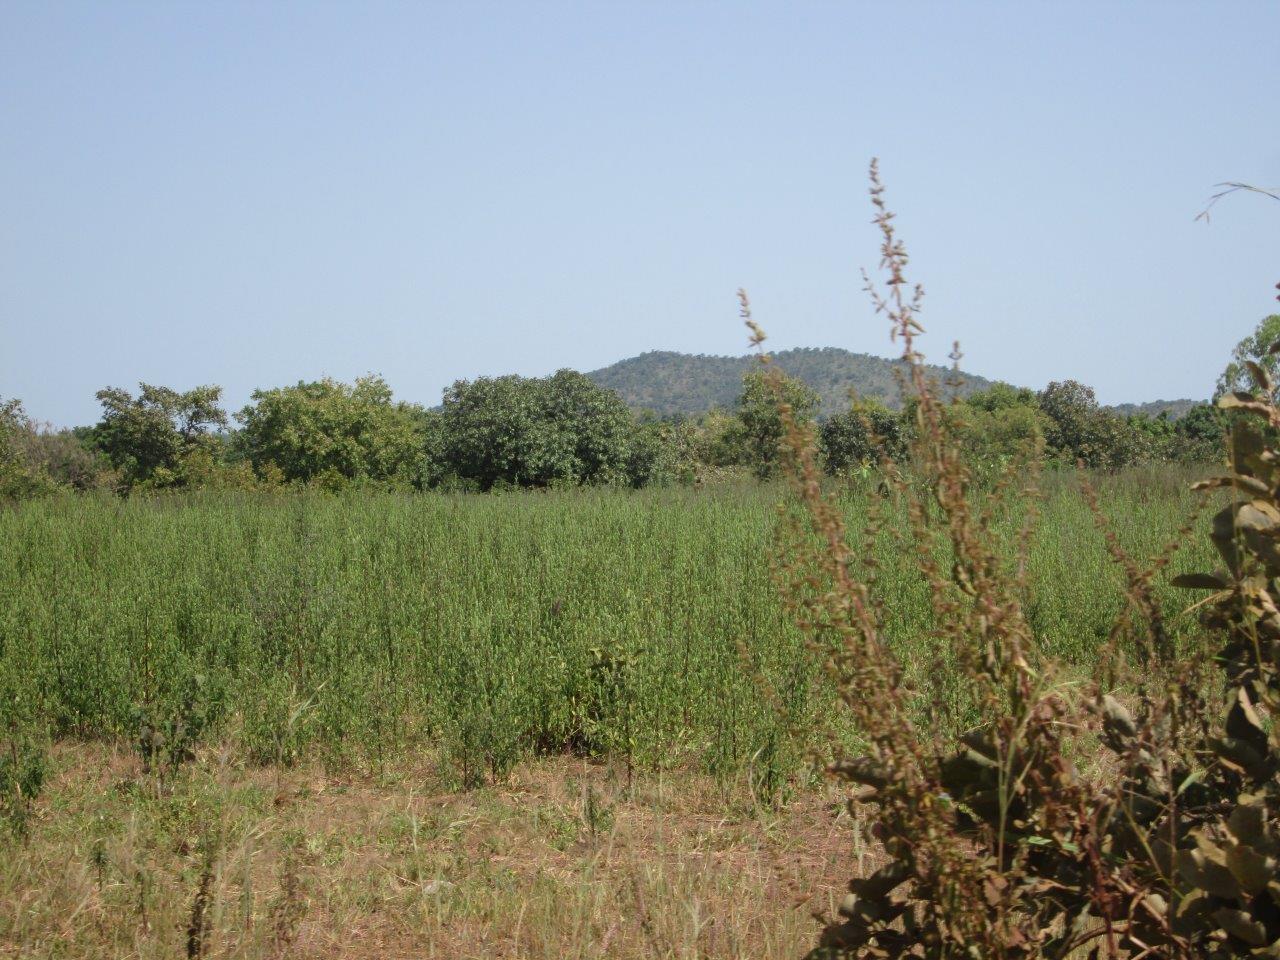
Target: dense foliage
{"points": [[331, 433], [521, 431], [19, 478], [755, 435], [568, 430], [148, 437], [602, 622], [860, 436]]}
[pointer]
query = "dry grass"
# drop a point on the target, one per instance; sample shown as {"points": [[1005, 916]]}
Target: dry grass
{"points": [[559, 861]]}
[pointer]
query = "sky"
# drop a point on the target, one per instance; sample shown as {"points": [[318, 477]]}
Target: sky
{"points": [[253, 194]]}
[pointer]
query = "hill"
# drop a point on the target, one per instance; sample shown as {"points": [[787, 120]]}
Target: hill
{"points": [[670, 383], [1153, 408]]}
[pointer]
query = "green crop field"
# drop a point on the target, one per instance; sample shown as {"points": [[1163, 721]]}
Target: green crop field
{"points": [[639, 626]]}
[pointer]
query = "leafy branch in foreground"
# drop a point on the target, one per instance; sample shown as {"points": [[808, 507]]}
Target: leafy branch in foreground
{"points": [[997, 844]]}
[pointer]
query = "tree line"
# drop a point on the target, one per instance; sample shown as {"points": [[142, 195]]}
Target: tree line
{"points": [[562, 430]]}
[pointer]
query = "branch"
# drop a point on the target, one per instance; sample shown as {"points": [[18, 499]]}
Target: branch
{"points": [[1232, 187]]}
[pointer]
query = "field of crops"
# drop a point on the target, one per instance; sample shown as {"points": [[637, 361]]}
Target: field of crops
{"points": [[643, 627]]}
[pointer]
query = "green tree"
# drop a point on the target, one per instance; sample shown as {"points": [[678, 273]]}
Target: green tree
{"points": [[69, 458], [756, 433], [20, 477], [1076, 430], [1148, 439], [994, 437], [1200, 434], [332, 433], [1002, 396], [1253, 348], [663, 451], [535, 432], [715, 439], [863, 434], [997, 424], [146, 437]]}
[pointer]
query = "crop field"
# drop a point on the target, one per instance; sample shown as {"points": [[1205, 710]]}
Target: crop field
{"points": [[248, 694], [639, 626]]}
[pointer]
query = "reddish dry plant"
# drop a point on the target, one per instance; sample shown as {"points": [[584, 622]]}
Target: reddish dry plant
{"points": [[997, 845]]}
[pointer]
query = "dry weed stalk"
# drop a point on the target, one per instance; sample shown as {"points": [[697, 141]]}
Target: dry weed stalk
{"points": [[998, 846], [198, 925]]}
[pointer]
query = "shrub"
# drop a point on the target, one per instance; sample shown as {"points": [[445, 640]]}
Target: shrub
{"points": [[71, 460], [20, 477], [1199, 435], [23, 767], [167, 733], [756, 432], [662, 452]]}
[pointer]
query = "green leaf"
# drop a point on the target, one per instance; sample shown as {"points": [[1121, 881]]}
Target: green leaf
{"points": [[1242, 926], [1201, 871], [1192, 778], [1251, 869]]}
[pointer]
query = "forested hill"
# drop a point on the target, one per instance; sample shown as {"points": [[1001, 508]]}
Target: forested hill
{"points": [[669, 383], [1154, 408]]}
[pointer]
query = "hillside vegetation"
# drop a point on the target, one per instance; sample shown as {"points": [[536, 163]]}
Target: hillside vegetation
{"points": [[670, 383]]}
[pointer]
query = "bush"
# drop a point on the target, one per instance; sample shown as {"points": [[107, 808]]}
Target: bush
{"points": [[662, 452], [23, 767], [72, 461], [1199, 435], [754, 437]]}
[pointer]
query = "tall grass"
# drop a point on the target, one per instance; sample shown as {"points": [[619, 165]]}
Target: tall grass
{"points": [[629, 625]]}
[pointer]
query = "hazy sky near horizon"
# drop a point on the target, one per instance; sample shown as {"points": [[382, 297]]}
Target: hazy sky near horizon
{"points": [[251, 194]]}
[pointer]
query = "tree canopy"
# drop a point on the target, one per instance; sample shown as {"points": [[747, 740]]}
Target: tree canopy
{"points": [[756, 433], [561, 430], [19, 477], [332, 432], [148, 436], [862, 435], [534, 432], [1255, 348]]}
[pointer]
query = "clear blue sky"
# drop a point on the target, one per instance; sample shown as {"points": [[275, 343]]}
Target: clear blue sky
{"points": [[253, 194]]}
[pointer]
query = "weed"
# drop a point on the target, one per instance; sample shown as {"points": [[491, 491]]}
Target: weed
{"points": [[23, 768], [169, 732], [610, 624], [998, 845]]}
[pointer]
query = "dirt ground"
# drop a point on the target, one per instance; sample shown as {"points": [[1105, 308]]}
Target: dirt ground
{"points": [[561, 860]]}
